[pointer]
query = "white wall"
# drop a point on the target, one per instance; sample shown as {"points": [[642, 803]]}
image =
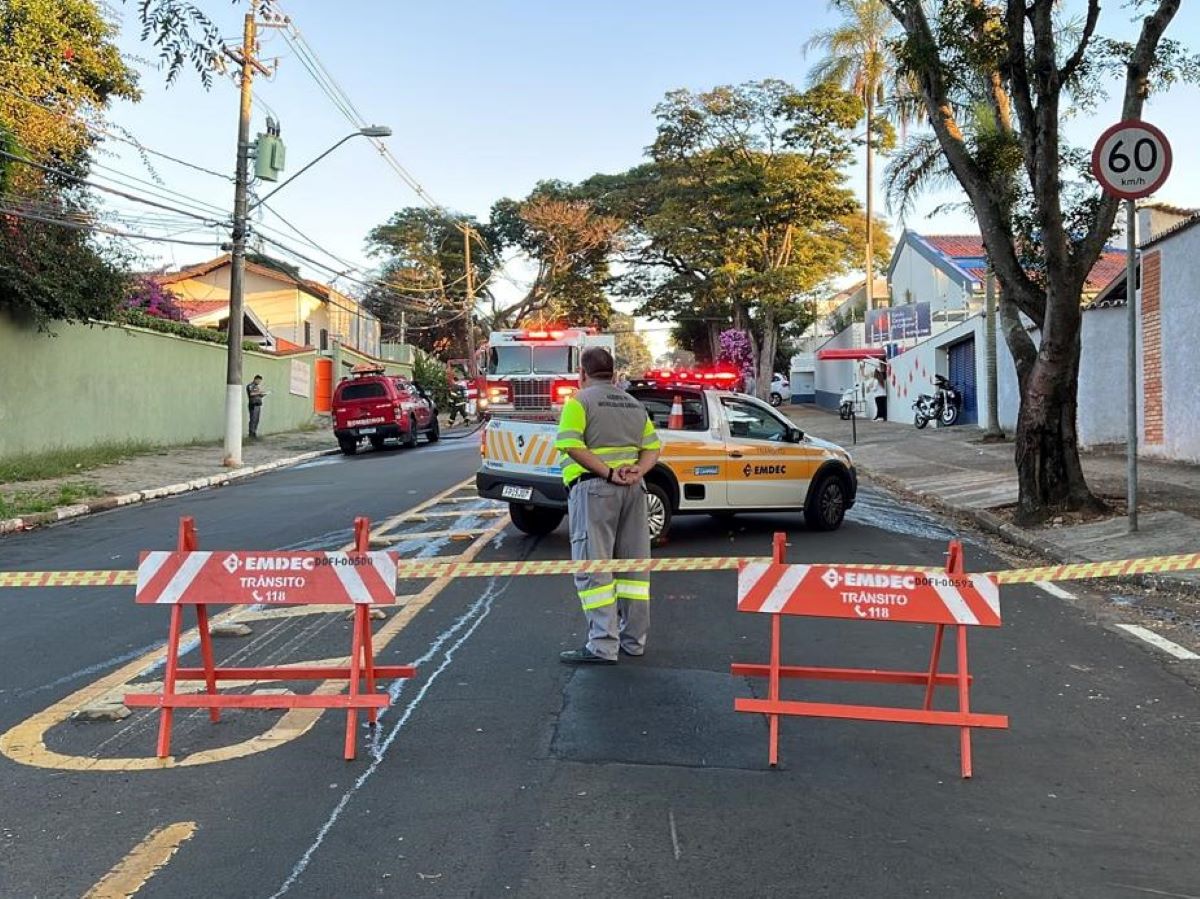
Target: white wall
{"points": [[1102, 373], [911, 373], [1103, 368], [832, 377], [916, 275], [1180, 306]]}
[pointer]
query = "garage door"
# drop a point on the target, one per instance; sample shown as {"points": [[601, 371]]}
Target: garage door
{"points": [[962, 376]]}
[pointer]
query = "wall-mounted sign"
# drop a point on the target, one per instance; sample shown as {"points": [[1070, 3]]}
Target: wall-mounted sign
{"points": [[899, 323]]}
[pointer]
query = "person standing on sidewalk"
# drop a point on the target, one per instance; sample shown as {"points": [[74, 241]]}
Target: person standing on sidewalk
{"points": [[610, 445], [255, 392]]}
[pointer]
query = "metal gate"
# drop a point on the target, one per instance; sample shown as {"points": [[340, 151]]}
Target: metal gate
{"points": [[962, 376]]}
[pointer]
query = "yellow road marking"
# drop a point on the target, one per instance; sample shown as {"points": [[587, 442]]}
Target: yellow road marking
{"points": [[461, 513], [143, 861], [25, 742]]}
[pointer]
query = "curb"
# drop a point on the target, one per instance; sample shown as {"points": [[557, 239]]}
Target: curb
{"points": [[107, 503], [997, 526]]}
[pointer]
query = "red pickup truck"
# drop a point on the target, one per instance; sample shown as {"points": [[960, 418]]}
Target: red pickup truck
{"points": [[380, 407]]}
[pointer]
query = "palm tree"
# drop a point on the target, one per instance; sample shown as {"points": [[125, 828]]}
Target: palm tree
{"points": [[859, 58]]}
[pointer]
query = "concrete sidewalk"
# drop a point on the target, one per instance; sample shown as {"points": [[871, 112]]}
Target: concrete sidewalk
{"points": [[953, 470], [170, 471]]}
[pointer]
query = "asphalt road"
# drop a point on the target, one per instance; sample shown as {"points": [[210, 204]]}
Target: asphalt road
{"points": [[500, 772]]}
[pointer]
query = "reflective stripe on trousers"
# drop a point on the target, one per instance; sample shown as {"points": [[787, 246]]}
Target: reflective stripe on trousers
{"points": [[608, 521]]}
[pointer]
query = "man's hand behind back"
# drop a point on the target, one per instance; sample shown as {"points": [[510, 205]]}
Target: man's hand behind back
{"points": [[628, 475]]}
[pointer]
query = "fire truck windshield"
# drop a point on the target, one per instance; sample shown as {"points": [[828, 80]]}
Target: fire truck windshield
{"points": [[512, 359]]}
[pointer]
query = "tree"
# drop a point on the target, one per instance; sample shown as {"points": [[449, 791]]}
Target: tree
{"points": [[423, 277], [859, 58], [570, 243], [1042, 220], [59, 71], [632, 354], [742, 208]]}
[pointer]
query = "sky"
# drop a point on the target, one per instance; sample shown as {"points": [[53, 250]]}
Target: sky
{"points": [[487, 97]]}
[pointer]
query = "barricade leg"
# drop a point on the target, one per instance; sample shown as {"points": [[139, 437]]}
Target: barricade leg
{"points": [[773, 695], [356, 655], [964, 701], [206, 654], [362, 616], [933, 665], [779, 553], [167, 713], [955, 565], [369, 663]]}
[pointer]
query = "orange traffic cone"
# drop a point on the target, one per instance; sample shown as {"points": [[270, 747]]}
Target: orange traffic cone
{"points": [[675, 422]]}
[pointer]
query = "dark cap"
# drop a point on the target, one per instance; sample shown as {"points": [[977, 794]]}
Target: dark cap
{"points": [[597, 362]]}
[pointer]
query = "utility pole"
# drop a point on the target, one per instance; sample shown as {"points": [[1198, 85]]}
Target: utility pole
{"points": [[469, 316], [244, 56], [993, 431]]}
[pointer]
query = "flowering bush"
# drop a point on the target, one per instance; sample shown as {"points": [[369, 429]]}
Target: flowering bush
{"points": [[736, 351], [148, 296]]}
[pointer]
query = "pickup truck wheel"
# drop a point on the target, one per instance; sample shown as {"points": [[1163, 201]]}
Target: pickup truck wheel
{"points": [[658, 512], [410, 436], [348, 445], [826, 505], [537, 521], [435, 430]]}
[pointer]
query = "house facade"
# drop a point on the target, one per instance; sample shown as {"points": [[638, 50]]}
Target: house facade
{"points": [[294, 312], [1168, 334], [946, 271]]}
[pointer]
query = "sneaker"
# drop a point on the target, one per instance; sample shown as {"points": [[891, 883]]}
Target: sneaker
{"points": [[583, 656], [632, 655]]}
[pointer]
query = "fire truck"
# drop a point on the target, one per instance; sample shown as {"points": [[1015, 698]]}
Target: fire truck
{"points": [[530, 372]]}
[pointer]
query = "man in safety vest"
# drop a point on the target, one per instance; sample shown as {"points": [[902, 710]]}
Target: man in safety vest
{"points": [[610, 445]]}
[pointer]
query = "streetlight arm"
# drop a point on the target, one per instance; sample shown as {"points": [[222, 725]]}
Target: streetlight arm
{"points": [[288, 181]]}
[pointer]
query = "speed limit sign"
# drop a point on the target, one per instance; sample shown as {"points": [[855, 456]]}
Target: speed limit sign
{"points": [[1131, 160]]}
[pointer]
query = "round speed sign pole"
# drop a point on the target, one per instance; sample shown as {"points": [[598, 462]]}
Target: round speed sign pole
{"points": [[1131, 160]]}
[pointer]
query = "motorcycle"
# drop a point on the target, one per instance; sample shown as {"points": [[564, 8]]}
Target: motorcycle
{"points": [[944, 405], [846, 408]]}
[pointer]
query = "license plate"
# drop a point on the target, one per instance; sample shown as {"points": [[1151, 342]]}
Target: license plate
{"points": [[508, 491], [366, 430]]}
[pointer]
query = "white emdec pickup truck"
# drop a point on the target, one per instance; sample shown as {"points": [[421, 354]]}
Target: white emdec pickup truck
{"points": [[733, 454]]}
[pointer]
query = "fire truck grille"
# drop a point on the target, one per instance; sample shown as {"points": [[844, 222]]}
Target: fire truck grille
{"points": [[532, 394]]}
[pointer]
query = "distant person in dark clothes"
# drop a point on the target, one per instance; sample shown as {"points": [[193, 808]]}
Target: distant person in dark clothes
{"points": [[255, 392]]}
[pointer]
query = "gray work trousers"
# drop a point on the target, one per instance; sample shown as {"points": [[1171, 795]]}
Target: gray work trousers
{"points": [[255, 415], [608, 521]]}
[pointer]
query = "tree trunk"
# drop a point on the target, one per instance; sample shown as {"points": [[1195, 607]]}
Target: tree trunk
{"points": [[764, 360], [714, 340], [1049, 472]]}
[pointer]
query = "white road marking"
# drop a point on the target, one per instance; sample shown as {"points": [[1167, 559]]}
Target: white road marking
{"points": [[674, 834], [1054, 590], [470, 620], [1159, 642]]}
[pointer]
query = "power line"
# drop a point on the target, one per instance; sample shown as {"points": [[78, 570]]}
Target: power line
{"points": [[64, 174], [92, 226]]}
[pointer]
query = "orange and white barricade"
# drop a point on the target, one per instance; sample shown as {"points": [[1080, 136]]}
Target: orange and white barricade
{"points": [[946, 599], [188, 576]]}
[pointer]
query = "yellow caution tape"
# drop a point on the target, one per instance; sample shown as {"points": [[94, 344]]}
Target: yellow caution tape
{"points": [[68, 578], [1081, 571], [435, 568]]}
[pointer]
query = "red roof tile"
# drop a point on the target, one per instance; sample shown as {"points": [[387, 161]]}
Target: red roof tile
{"points": [[1110, 264], [956, 246], [196, 308]]}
